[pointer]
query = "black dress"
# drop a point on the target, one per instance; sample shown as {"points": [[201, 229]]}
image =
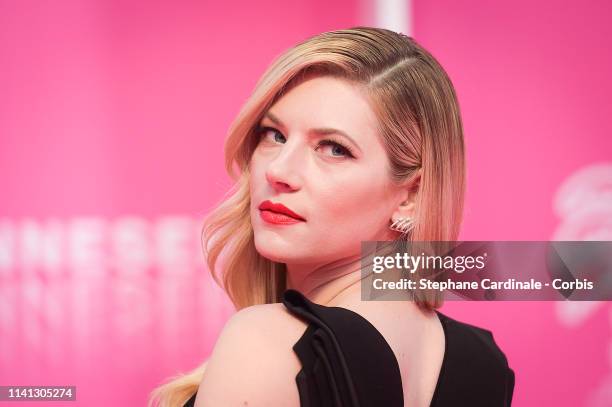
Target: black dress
{"points": [[347, 362]]}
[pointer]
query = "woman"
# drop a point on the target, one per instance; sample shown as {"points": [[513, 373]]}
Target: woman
{"points": [[353, 135]]}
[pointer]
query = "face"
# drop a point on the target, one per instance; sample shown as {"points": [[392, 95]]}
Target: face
{"points": [[319, 155]]}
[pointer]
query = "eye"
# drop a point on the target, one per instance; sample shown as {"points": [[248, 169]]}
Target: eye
{"points": [[338, 147], [264, 131]]}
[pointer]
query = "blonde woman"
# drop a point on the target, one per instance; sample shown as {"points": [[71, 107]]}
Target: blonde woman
{"points": [[352, 135]]}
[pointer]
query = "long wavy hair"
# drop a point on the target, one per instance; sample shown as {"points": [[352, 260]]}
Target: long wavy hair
{"points": [[419, 124]]}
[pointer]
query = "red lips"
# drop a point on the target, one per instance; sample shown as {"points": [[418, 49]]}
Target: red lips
{"points": [[279, 208]]}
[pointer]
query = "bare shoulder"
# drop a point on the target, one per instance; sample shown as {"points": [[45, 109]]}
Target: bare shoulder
{"points": [[253, 363]]}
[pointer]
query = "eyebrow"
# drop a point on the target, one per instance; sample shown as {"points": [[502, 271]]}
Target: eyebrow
{"points": [[321, 131]]}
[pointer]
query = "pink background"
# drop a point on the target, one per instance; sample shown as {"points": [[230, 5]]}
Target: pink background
{"points": [[112, 121]]}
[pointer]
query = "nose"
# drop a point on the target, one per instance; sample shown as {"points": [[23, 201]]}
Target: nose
{"points": [[283, 170]]}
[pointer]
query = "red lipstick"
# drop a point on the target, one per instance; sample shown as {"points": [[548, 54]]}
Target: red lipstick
{"points": [[278, 213]]}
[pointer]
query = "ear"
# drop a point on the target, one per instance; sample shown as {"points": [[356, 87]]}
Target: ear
{"points": [[406, 208]]}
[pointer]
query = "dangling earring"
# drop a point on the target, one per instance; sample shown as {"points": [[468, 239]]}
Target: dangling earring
{"points": [[403, 225]]}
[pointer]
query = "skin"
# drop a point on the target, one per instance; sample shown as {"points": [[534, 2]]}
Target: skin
{"points": [[345, 197]]}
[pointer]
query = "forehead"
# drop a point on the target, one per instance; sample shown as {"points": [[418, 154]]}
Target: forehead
{"points": [[328, 102]]}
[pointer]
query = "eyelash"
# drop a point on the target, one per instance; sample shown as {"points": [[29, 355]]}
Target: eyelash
{"points": [[326, 142]]}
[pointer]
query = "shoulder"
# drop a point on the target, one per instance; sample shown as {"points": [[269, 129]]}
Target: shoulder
{"points": [[253, 362]]}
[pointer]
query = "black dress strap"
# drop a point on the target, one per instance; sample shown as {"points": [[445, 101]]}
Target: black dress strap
{"points": [[345, 360], [475, 371]]}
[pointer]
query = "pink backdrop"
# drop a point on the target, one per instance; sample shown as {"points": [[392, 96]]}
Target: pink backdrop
{"points": [[112, 121]]}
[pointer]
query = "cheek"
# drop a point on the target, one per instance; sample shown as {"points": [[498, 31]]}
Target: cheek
{"points": [[355, 209]]}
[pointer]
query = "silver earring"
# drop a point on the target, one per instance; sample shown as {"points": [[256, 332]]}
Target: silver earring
{"points": [[403, 225]]}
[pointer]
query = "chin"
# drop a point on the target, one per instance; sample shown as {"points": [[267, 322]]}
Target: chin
{"points": [[274, 256], [270, 248]]}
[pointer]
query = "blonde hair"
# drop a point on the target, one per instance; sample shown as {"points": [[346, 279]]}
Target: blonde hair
{"points": [[419, 124]]}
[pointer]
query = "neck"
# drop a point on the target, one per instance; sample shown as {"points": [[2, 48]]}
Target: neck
{"points": [[328, 283]]}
